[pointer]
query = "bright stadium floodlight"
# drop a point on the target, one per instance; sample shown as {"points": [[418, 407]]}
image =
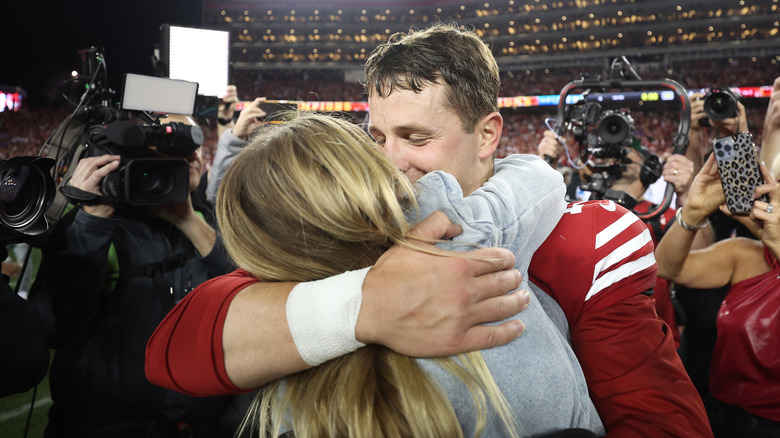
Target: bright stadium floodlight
{"points": [[196, 55]]}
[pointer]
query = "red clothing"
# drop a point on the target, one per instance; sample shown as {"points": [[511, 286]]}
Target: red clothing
{"points": [[597, 263], [745, 369], [662, 290], [185, 351]]}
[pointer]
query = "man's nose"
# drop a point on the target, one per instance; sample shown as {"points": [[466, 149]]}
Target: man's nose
{"points": [[394, 151]]}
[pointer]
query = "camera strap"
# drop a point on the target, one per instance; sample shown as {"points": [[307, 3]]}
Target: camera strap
{"points": [[77, 196]]}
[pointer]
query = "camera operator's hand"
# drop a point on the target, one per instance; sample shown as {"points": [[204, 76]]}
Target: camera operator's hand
{"points": [[697, 112], [732, 125], [550, 147], [228, 104], [88, 175], [251, 118], [183, 216], [678, 170], [226, 108]]}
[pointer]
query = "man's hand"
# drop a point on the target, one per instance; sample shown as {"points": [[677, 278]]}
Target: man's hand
{"points": [[678, 170], [228, 104], [88, 175], [697, 112], [733, 125], [421, 304], [182, 215], [550, 147]]}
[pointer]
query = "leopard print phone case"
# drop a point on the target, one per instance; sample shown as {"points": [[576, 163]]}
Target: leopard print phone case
{"points": [[737, 160]]}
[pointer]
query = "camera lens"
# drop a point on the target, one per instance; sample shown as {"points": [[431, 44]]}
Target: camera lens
{"points": [[152, 181], [720, 105], [22, 195], [615, 128]]}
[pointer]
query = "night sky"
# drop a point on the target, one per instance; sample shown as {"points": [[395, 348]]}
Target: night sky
{"points": [[41, 40]]}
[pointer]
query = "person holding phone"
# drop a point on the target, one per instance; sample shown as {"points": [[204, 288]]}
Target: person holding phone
{"points": [[744, 388]]}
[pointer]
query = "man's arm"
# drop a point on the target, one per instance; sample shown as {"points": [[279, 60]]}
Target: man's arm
{"points": [[635, 377], [414, 302], [598, 265]]}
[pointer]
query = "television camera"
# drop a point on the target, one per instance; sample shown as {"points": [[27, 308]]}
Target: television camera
{"points": [[152, 169], [606, 135]]}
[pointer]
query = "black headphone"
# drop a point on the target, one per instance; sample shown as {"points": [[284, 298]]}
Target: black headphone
{"points": [[652, 169]]}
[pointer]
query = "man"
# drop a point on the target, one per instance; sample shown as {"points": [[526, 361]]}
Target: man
{"points": [[443, 116], [109, 274]]}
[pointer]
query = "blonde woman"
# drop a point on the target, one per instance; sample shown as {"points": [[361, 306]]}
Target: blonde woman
{"points": [[313, 198]]}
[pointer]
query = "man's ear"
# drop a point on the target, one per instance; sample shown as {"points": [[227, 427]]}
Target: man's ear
{"points": [[490, 128]]}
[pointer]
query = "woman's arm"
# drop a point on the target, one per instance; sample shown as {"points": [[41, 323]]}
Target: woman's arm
{"points": [[711, 266]]}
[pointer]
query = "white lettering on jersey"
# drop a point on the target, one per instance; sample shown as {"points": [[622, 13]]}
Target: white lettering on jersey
{"points": [[607, 205], [574, 208]]}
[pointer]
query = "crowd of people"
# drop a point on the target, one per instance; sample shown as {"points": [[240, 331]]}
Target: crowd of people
{"points": [[346, 279]]}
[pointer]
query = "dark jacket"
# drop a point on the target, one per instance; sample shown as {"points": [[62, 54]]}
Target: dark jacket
{"points": [[99, 322]]}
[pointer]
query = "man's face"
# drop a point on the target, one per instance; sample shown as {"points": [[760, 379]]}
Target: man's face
{"points": [[420, 135]]}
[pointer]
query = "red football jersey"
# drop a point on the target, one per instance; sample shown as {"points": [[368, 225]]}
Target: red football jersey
{"points": [[597, 255], [598, 264]]}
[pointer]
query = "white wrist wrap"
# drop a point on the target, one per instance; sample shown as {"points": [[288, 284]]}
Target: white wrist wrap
{"points": [[322, 316]]}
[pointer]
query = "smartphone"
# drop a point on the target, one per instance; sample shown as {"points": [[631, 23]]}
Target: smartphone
{"points": [[737, 159]]}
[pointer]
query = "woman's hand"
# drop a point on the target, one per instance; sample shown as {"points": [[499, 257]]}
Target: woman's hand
{"points": [[764, 219], [705, 195]]}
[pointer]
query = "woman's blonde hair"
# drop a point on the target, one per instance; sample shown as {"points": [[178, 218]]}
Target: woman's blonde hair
{"points": [[308, 199]]}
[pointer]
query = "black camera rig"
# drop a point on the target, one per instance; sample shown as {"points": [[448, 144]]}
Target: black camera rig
{"points": [[609, 134], [152, 166]]}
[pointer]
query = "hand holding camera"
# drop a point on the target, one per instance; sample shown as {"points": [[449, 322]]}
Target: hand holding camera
{"points": [[720, 108], [88, 177]]}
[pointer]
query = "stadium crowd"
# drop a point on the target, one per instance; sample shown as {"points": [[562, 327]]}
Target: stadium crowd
{"points": [[24, 132]]}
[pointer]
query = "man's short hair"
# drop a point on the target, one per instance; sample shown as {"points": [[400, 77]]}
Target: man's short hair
{"points": [[440, 54]]}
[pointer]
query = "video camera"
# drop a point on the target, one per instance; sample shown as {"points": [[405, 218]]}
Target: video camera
{"points": [[152, 168], [606, 135]]}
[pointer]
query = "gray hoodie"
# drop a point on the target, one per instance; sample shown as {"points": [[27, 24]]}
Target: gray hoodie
{"points": [[538, 373]]}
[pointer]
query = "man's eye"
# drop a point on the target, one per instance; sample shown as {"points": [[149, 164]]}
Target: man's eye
{"points": [[418, 140], [380, 141]]}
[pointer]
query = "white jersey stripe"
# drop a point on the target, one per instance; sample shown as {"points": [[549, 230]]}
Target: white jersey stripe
{"points": [[620, 273], [617, 227], [622, 252]]}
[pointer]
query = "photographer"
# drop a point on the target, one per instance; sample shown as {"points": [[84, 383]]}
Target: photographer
{"points": [[109, 274]]}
